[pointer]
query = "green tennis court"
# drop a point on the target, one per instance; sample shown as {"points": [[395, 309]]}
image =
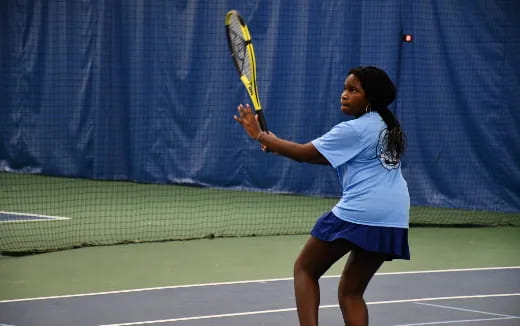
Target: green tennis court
{"points": [[62, 213]]}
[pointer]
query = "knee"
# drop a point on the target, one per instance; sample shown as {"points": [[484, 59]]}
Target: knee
{"points": [[348, 301], [345, 296], [349, 292], [300, 269]]}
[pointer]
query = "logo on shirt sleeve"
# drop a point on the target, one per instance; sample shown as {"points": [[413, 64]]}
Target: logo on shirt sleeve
{"points": [[388, 159]]}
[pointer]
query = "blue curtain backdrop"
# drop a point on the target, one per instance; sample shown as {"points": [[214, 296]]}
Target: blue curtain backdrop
{"points": [[145, 91]]}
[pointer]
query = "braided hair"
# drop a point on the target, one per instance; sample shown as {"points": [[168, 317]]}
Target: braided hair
{"points": [[381, 92]]}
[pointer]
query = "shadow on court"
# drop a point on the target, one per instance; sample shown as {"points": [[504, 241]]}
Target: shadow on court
{"points": [[489, 296]]}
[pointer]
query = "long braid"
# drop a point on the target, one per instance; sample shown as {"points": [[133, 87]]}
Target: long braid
{"points": [[381, 92], [396, 139]]}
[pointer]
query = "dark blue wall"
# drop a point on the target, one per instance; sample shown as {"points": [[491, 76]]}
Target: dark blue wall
{"points": [[145, 91]]}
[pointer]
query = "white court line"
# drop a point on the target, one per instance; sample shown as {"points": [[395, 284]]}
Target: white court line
{"points": [[44, 218], [147, 322], [249, 282], [458, 321], [462, 309]]}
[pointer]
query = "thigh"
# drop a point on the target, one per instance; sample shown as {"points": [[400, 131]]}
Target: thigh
{"points": [[317, 255], [359, 270]]}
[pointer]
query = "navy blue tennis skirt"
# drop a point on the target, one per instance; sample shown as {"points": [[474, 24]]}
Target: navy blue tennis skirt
{"points": [[389, 241]]}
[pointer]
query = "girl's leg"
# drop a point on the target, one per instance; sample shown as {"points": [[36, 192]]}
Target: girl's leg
{"points": [[359, 269], [314, 260]]}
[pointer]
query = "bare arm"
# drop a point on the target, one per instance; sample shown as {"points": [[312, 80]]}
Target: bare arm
{"points": [[298, 152]]}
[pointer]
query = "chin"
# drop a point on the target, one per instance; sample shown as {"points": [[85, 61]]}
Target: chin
{"points": [[347, 111]]}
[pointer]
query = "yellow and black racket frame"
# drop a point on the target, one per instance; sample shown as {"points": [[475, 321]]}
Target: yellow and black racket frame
{"points": [[250, 85]]}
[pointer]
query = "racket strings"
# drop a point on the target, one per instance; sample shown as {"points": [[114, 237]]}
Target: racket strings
{"points": [[239, 47]]}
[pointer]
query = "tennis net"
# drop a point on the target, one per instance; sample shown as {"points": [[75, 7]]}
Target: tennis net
{"points": [[41, 213]]}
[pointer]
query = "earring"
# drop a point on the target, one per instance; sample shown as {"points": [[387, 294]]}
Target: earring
{"points": [[368, 108]]}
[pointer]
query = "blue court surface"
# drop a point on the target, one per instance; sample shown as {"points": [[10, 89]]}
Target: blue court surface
{"points": [[473, 297]]}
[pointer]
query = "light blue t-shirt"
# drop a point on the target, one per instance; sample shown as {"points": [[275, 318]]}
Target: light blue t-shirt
{"points": [[374, 191]]}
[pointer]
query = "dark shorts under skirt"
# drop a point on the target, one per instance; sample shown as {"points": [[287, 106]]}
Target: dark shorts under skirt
{"points": [[389, 241]]}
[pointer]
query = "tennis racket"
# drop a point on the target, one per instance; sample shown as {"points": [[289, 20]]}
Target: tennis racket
{"points": [[243, 55]]}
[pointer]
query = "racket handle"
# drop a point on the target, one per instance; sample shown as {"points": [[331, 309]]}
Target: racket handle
{"points": [[262, 121]]}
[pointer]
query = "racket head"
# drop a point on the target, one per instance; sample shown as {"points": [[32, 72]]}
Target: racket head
{"points": [[239, 39], [243, 55]]}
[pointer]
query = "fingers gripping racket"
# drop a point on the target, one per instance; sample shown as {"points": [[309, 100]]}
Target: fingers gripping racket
{"points": [[243, 54]]}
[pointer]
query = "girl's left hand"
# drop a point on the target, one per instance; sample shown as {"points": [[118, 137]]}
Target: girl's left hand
{"points": [[248, 120]]}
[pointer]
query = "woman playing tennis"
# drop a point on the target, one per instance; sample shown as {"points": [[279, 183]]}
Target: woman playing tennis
{"points": [[370, 221]]}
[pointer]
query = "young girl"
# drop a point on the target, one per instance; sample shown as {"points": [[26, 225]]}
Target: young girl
{"points": [[370, 221]]}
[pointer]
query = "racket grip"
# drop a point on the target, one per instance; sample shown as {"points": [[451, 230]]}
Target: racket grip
{"points": [[262, 121]]}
